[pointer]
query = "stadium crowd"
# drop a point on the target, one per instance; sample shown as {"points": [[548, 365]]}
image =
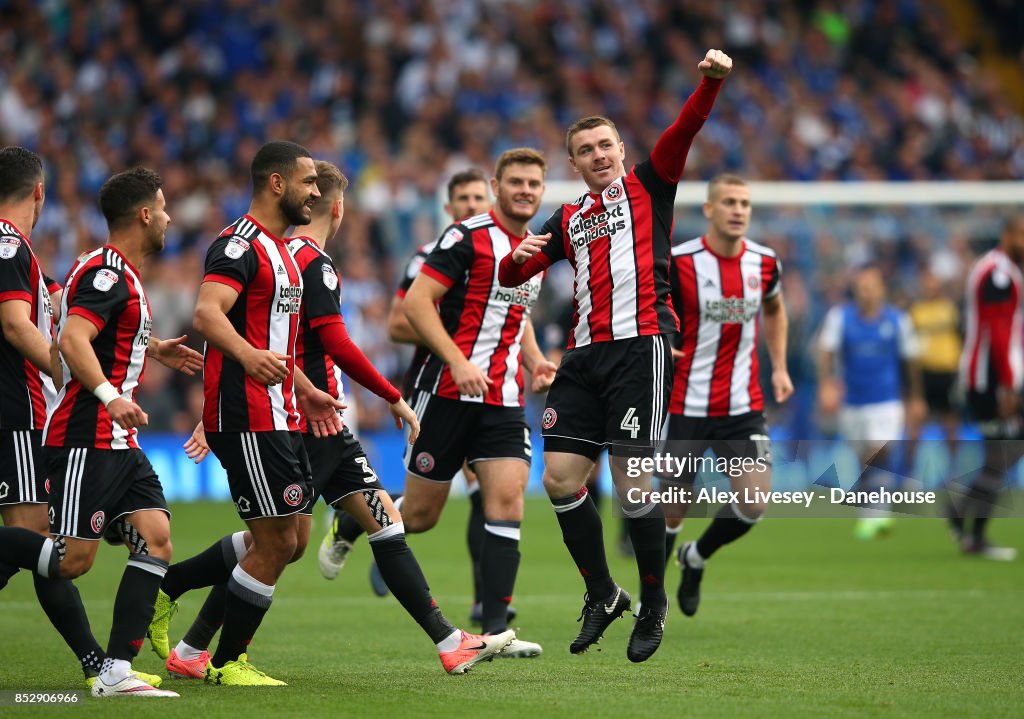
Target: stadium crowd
{"points": [[402, 94]]}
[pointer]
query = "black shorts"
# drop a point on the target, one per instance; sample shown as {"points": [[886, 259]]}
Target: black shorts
{"points": [[268, 472], [91, 488], [452, 431], [611, 394], [740, 440], [21, 452], [938, 390], [983, 409], [339, 466]]}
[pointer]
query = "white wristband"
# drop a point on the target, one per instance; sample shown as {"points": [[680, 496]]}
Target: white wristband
{"points": [[106, 393]]}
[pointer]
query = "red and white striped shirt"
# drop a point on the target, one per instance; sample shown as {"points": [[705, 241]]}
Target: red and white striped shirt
{"points": [[324, 348], [25, 391], [619, 240], [993, 352], [257, 265], [718, 300], [484, 319], [105, 289]]}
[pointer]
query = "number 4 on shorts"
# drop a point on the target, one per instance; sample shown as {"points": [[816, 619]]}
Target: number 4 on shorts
{"points": [[630, 423]]}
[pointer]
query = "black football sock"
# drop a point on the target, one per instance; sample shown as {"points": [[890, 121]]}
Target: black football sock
{"points": [[133, 606], [499, 564], [646, 525], [211, 566], [347, 528], [727, 526], [594, 490], [20, 547], [475, 538], [245, 605], [60, 600], [584, 536], [671, 535], [405, 579], [209, 619]]}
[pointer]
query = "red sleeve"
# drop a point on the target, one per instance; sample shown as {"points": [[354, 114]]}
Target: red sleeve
{"points": [[224, 280], [347, 355], [437, 275], [88, 314], [669, 155], [511, 274]]}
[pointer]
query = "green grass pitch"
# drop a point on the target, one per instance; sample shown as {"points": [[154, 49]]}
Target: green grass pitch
{"points": [[798, 619]]}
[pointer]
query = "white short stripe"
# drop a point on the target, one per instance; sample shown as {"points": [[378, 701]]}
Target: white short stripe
{"points": [[79, 475], [16, 439], [260, 480], [249, 451], [31, 466]]}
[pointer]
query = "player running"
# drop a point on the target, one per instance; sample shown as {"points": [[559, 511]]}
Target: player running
{"points": [[27, 297], [248, 311], [467, 196], [613, 382], [102, 484], [721, 282], [342, 474], [469, 388]]}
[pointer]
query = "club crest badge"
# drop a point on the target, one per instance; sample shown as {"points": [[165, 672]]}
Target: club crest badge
{"points": [[548, 419], [424, 461], [293, 495]]}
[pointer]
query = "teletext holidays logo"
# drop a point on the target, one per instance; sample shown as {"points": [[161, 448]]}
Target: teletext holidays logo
{"points": [[289, 299], [731, 310], [525, 295], [584, 230]]}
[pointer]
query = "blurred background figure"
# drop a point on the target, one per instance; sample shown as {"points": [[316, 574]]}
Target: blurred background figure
{"points": [[867, 348], [992, 371]]}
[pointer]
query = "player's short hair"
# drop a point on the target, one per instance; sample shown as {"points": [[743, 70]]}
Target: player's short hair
{"points": [[123, 194], [20, 170], [519, 156], [329, 179], [275, 157], [587, 123], [724, 178], [464, 178]]}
